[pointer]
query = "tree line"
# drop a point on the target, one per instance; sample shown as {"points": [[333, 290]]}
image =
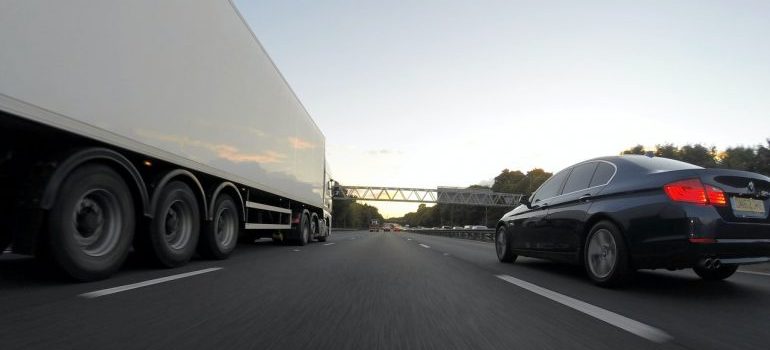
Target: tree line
{"points": [[752, 158], [354, 215]]}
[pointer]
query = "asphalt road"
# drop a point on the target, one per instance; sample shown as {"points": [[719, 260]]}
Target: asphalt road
{"points": [[377, 291]]}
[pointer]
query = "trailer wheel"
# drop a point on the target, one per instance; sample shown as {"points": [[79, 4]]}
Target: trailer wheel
{"points": [[174, 229], [219, 235], [322, 231], [302, 231], [91, 224]]}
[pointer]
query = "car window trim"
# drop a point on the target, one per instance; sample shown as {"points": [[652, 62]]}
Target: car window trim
{"points": [[588, 188]]}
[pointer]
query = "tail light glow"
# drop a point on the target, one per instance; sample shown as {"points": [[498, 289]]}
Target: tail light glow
{"points": [[690, 191], [694, 191], [716, 196]]}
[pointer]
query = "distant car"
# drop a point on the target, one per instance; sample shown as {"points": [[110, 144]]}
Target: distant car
{"points": [[618, 214], [457, 227], [446, 227], [479, 227], [467, 227]]}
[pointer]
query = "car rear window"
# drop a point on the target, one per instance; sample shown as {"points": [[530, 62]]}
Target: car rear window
{"points": [[657, 164]]}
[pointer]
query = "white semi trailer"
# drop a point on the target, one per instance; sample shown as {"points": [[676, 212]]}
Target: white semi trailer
{"points": [[161, 125]]}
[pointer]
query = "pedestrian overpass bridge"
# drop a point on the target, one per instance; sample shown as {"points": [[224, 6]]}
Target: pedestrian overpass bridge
{"points": [[442, 195]]}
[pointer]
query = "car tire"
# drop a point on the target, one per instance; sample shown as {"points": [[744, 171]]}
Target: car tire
{"points": [[220, 235], [174, 230], [91, 224], [503, 246], [721, 273], [606, 256]]}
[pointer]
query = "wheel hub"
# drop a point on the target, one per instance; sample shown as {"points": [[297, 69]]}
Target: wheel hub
{"points": [[89, 218], [96, 219], [172, 222]]}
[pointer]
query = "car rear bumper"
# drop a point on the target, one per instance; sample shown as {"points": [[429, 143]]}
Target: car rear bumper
{"points": [[729, 252], [694, 238]]}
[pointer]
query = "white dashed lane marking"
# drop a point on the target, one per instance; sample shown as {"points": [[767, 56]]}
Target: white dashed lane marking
{"points": [[622, 322], [756, 273], [108, 291]]}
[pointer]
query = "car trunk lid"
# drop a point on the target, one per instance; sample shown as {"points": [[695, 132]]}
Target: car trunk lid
{"points": [[747, 194]]}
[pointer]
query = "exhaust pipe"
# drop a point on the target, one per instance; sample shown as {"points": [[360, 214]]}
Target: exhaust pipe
{"points": [[708, 263], [715, 264]]}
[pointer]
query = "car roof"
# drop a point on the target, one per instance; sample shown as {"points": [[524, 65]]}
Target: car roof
{"points": [[646, 163]]}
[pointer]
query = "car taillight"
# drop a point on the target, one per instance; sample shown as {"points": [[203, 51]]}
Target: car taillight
{"points": [[716, 196], [693, 191], [690, 191]]}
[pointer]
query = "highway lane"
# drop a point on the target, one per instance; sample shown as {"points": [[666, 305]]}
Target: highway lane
{"points": [[370, 290], [697, 314]]}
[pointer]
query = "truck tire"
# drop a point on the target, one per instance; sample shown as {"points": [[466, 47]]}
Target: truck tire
{"points": [[302, 231], [174, 229], [91, 224], [315, 229], [219, 236]]}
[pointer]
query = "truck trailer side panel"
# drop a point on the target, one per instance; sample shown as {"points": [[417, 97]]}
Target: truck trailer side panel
{"points": [[183, 81]]}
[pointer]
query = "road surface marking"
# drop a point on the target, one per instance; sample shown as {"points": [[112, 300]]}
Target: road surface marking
{"points": [[446, 254], [622, 322], [108, 291], [756, 273], [424, 246], [295, 250], [408, 239], [329, 243]]}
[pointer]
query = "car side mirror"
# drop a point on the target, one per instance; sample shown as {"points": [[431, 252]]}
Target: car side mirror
{"points": [[525, 200]]}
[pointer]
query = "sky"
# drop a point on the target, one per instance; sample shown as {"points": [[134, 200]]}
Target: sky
{"points": [[449, 93]]}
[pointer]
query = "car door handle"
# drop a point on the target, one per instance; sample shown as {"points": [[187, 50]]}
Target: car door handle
{"points": [[585, 198]]}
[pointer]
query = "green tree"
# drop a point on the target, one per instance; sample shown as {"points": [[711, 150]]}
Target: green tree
{"points": [[740, 158], [762, 160], [699, 155], [507, 180], [638, 149], [667, 151]]}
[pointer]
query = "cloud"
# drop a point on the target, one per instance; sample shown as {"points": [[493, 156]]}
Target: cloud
{"points": [[298, 143], [383, 151]]}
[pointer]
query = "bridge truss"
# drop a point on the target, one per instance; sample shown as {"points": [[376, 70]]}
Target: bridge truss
{"points": [[441, 195]]}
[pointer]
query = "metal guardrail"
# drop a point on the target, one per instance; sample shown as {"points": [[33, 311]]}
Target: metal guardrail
{"points": [[487, 235]]}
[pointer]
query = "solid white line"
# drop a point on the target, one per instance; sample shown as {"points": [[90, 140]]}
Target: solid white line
{"points": [[108, 291], [329, 243], [756, 273], [424, 246], [622, 322], [408, 239]]}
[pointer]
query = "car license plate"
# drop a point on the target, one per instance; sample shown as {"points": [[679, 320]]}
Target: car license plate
{"points": [[748, 205]]}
